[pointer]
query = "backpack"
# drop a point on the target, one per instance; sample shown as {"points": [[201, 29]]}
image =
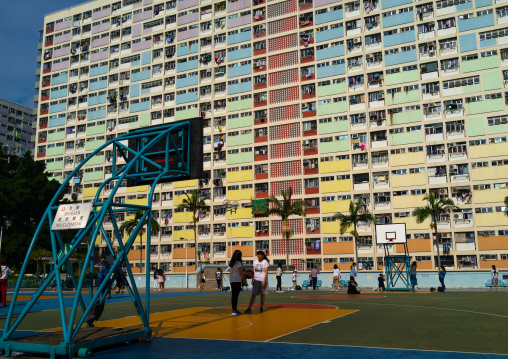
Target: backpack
{"points": [[225, 289], [440, 289], [297, 287]]}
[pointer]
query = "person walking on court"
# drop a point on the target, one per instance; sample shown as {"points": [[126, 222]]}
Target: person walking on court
{"points": [[412, 276], [336, 278], [103, 272], [156, 279], [381, 282], [278, 276], [219, 276], [495, 278], [353, 272], [203, 280], [6, 273], [441, 275], [293, 279], [352, 286], [260, 281], [313, 273], [236, 272]]}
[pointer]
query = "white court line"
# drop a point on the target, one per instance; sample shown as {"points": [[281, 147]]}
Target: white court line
{"points": [[310, 326], [451, 309], [250, 324]]}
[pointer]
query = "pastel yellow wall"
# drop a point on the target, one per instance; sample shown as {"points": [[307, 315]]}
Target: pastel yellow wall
{"points": [[178, 199], [336, 186], [335, 206], [239, 176], [334, 166], [490, 195], [411, 179], [490, 150], [185, 233], [241, 232], [182, 217], [487, 173], [139, 202], [240, 194], [90, 191], [405, 159], [137, 189], [183, 184], [411, 223], [491, 219], [330, 227], [242, 213], [407, 201]]}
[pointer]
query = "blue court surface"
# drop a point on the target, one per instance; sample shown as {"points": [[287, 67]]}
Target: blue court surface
{"points": [[162, 348]]}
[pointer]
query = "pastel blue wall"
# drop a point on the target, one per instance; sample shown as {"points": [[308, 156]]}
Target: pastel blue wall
{"points": [[60, 79], [186, 97], [400, 38], [330, 52], [57, 94], [400, 58], [58, 107], [140, 76], [239, 37], [54, 122], [332, 70], [487, 43], [386, 4], [468, 42], [140, 106], [98, 85], [366, 279], [134, 90], [188, 65], [100, 70], [146, 57], [96, 100], [328, 16], [239, 54], [186, 50], [398, 19], [239, 88], [239, 71], [476, 22], [187, 81], [330, 34], [95, 115], [465, 6], [482, 3]]}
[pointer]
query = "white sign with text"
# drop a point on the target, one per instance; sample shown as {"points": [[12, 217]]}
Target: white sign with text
{"points": [[71, 216]]}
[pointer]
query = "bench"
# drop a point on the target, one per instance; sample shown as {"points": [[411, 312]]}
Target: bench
{"points": [[306, 284], [503, 283]]}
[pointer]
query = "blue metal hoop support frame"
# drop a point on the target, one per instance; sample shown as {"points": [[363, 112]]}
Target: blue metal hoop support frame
{"points": [[133, 169]]}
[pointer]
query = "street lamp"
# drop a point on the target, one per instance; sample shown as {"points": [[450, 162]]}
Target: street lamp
{"points": [[9, 149], [183, 239], [230, 207], [6, 224]]}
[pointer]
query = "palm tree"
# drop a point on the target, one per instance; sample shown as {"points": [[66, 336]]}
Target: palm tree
{"points": [[194, 203], [129, 226], [434, 210], [356, 214], [284, 209]]}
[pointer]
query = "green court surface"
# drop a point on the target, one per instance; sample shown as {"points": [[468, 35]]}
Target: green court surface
{"points": [[474, 322]]}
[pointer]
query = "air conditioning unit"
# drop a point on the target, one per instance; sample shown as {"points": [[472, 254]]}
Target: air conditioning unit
{"points": [[458, 216], [442, 191], [356, 40], [453, 167]]}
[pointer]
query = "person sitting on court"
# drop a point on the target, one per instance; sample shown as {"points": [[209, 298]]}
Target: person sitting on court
{"points": [[352, 286]]}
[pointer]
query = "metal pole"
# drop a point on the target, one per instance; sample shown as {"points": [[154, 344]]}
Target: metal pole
{"points": [[231, 239], [186, 274], [1, 233]]}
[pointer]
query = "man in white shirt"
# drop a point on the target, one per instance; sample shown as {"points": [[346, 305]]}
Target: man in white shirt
{"points": [[6, 273]]}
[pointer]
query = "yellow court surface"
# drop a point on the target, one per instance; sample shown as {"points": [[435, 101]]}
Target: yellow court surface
{"points": [[218, 323]]}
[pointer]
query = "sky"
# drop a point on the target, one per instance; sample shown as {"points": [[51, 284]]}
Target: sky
{"points": [[20, 21]]}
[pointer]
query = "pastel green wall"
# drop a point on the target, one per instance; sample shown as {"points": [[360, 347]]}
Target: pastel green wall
{"points": [[332, 89], [405, 138], [332, 127], [333, 107], [333, 146], [239, 105], [475, 126], [406, 117], [402, 77], [233, 123]]}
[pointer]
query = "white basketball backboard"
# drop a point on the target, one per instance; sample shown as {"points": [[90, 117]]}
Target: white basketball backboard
{"points": [[394, 233]]}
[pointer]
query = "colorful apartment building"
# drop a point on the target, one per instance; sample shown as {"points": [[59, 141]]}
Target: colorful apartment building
{"points": [[379, 100]]}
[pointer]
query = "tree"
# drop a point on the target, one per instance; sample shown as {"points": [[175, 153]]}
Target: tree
{"points": [[25, 192], [357, 213], [434, 209], [129, 226], [284, 210], [194, 203]]}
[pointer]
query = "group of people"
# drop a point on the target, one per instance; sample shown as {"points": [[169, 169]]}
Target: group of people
{"points": [[120, 277]]}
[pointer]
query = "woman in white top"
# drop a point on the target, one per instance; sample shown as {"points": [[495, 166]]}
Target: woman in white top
{"points": [[260, 281], [336, 278], [495, 278], [236, 273], [279, 278]]}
